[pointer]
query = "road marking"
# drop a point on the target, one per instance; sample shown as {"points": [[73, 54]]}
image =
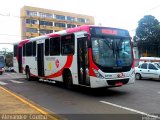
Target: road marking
{"points": [[30, 104], [14, 81], [130, 109], [3, 83]]}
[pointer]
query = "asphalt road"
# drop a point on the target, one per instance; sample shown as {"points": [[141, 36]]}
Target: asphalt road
{"points": [[133, 101]]}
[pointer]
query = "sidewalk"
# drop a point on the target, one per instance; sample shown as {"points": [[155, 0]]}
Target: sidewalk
{"points": [[13, 107]]}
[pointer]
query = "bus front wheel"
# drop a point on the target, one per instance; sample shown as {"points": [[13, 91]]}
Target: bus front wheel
{"points": [[67, 79]]}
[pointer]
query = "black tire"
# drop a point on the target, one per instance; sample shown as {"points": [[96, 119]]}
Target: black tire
{"points": [[138, 76], [67, 79], [28, 75], [1, 73]]}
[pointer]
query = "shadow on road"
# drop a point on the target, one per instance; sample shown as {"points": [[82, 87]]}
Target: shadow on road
{"points": [[153, 80], [96, 92]]}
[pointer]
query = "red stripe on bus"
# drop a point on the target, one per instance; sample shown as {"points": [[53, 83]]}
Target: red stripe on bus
{"points": [[53, 35], [92, 65], [21, 45], [72, 30], [67, 65]]}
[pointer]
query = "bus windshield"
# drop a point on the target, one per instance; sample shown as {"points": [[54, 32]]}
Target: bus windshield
{"points": [[2, 61], [111, 51]]}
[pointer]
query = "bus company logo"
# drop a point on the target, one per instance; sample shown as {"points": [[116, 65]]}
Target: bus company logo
{"points": [[57, 63], [121, 75]]}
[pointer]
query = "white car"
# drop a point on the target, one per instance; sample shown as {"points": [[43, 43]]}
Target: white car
{"points": [[148, 70]]}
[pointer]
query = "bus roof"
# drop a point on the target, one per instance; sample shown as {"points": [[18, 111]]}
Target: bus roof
{"points": [[69, 30]]}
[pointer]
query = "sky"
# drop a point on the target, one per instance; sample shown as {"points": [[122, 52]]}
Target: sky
{"points": [[110, 13]]}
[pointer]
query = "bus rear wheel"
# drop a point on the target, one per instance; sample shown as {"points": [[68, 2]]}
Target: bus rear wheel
{"points": [[28, 75], [67, 79]]}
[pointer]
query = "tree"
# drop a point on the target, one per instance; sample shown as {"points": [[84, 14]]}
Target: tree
{"points": [[148, 35], [9, 59], [146, 29]]}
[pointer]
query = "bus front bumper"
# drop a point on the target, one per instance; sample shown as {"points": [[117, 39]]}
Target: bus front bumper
{"points": [[96, 82]]}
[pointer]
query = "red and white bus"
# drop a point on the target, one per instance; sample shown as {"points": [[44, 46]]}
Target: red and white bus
{"points": [[91, 56]]}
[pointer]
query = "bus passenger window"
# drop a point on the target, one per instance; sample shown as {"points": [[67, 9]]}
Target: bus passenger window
{"points": [[67, 44], [46, 47], [29, 49], [55, 46], [34, 48], [24, 50]]}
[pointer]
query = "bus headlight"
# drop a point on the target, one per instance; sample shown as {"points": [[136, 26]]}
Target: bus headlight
{"points": [[99, 75]]}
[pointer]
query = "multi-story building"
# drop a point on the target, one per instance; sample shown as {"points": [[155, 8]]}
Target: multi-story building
{"points": [[38, 21]]}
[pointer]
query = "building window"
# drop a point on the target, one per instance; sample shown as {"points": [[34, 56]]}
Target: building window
{"points": [[46, 23], [69, 18], [87, 20], [81, 20], [30, 21], [31, 13], [60, 25], [45, 15], [28, 13], [60, 17], [49, 15], [67, 44], [71, 25], [55, 46], [42, 15], [44, 31], [32, 30]]}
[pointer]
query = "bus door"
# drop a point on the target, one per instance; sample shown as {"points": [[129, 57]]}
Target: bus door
{"points": [[40, 59], [20, 60], [82, 59]]}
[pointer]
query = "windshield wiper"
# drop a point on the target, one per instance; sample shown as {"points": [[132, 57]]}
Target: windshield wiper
{"points": [[117, 49], [117, 54]]}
